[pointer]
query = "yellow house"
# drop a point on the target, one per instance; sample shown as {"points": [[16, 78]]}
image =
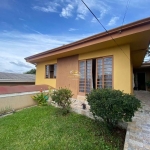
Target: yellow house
{"points": [[97, 61]]}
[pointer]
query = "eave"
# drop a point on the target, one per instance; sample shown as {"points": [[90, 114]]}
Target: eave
{"points": [[130, 34]]}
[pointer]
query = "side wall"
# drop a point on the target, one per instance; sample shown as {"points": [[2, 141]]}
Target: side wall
{"points": [[17, 100], [122, 69], [40, 74], [64, 79]]}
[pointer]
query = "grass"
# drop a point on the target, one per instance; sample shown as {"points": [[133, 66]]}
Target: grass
{"points": [[44, 128]]}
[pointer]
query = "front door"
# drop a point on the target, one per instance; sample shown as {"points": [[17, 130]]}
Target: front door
{"points": [[141, 81], [95, 73]]}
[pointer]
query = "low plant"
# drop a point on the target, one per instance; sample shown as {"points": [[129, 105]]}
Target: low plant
{"points": [[112, 106], [50, 91], [6, 110], [148, 84], [41, 98], [62, 97]]}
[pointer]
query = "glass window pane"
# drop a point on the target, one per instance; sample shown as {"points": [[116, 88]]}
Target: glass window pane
{"points": [[47, 71], [104, 72], [99, 86], [88, 75], [107, 69], [100, 61], [108, 61], [82, 76], [55, 70], [107, 84]]}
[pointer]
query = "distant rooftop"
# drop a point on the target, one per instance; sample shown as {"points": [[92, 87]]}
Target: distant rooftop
{"points": [[14, 77]]}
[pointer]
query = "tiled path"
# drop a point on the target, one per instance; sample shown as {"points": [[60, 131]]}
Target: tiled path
{"points": [[78, 108], [138, 131]]}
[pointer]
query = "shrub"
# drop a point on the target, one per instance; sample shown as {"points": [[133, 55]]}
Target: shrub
{"points": [[41, 98], [112, 106], [62, 97], [148, 84]]}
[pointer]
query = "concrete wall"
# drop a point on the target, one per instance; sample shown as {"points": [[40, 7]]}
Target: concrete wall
{"points": [[17, 100], [40, 74]]}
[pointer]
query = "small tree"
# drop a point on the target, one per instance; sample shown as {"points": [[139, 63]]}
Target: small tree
{"points": [[62, 97], [112, 106]]}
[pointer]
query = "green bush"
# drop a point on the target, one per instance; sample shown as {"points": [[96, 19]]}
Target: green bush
{"points": [[112, 106], [62, 97], [148, 84], [41, 98]]}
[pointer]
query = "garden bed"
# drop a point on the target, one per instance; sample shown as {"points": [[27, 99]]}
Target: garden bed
{"points": [[45, 128]]}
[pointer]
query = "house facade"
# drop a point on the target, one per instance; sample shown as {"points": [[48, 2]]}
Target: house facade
{"points": [[100, 61]]}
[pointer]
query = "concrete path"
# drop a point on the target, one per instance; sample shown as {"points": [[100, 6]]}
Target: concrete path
{"points": [[138, 131]]}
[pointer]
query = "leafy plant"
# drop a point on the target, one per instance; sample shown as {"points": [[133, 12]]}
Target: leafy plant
{"points": [[41, 98], [112, 106], [148, 84], [62, 97]]}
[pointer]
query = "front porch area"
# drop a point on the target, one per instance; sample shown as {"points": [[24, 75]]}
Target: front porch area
{"points": [[141, 76]]}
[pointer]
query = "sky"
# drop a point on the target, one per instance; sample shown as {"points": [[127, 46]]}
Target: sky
{"points": [[28, 27]]}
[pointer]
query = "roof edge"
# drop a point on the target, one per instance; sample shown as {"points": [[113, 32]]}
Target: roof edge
{"points": [[99, 35]]}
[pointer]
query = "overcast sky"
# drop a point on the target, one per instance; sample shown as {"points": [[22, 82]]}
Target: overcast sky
{"points": [[28, 27]]}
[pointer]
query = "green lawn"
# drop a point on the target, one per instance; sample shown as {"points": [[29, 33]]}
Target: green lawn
{"points": [[44, 128]]}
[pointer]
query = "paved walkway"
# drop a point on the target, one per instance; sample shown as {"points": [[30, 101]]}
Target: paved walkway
{"points": [[138, 131], [78, 108]]}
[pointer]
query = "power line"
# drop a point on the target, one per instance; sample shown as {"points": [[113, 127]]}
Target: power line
{"points": [[104, 28], [127, 6]]}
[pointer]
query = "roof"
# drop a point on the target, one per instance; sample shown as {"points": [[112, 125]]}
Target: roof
{"points": [[22, 88], [146, 64], [14, 77], [120, 34]]}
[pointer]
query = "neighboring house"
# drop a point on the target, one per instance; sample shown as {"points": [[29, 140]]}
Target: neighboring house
{"points": [[11, 79], [101, 62]]}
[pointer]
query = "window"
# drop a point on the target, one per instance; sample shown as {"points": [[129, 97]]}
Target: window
{"points": [[104, 72], [85, 82], [50, 71], [95, 73]]}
